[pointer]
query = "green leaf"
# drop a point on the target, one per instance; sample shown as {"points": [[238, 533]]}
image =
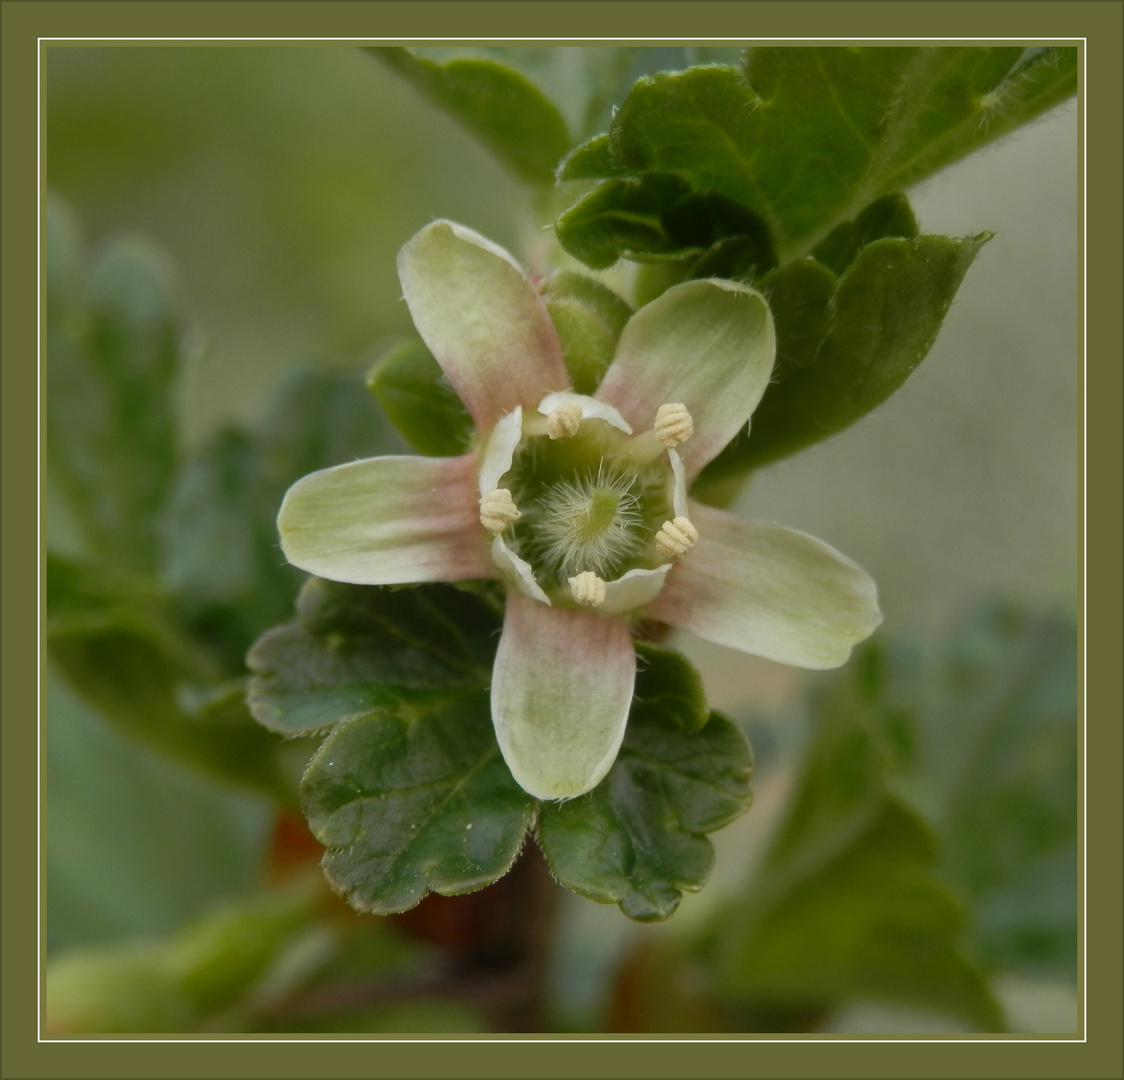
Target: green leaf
{"points": [[415, 797], [659, 215], [845, 904], [113, 356], [806, 137], [506, 111], [1007, 800], [638, 838], [175, 984], [845, 345], [413, 391], [135, 665], [220, 552], [354, 649], [589, 319]]}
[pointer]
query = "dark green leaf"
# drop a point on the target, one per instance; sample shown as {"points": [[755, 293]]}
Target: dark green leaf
{"points": [[1008, 782], [638, 838], [889, 216], [807, 137], [113, 356], [845, 904], [506, 111], [413, 391], [415, 797], [138, 669], [659, 215], [844, 346], [589, 319], [355, 648]]}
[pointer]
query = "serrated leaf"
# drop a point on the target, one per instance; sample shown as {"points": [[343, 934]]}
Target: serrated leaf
{"points": [[845, 345], [412, 389], [639, 838], [807, 137], [113, 356], [506, 111], [414, 798], [845, 904], [354, 649]]}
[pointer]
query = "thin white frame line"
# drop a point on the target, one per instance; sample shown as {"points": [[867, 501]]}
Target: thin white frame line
{"points": [[1082, 1035]]}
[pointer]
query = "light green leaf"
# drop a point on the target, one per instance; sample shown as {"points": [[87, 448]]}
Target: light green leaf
{"points": [[354, 649], [807, 137], [589, 319], [113, 356], [412, 389], [638, 839], [845, 345], [506, 111], [136, 666], [1007, 795], [175, 984], [845, 904], [414, 798]]}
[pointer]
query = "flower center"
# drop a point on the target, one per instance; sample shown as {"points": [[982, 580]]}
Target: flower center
{"points": [[583, 512], [584, 506]]}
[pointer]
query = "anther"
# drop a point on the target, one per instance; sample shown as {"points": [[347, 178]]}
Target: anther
{"points": [[673, 424], [588, 589], [676, 538], [564, 421], [498, 511]]}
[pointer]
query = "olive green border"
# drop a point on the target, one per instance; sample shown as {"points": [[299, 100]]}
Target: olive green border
{"points": [[1099, 23]]}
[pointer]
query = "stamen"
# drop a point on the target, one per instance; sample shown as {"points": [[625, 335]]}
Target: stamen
{"points": [[673, 424], [676, 538], [588, 589], [564, 421], [498, 511]]}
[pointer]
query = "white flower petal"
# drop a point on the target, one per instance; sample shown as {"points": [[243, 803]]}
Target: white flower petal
{"points": [[516, 571], [590, 407], [482, 319], [633, 590], [561, 691], [500, 450], [769, 591], [708, 345], [387, 521]]}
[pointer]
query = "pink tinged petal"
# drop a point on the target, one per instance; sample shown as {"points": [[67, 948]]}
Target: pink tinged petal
{"points": [[590, 407], [482, 320], [561, 691], [706, 344], [387, 521], [633, 590], [770, 591], [499, 451]]}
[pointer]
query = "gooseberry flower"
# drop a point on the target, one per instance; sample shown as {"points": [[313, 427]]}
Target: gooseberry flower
{"points": [[579, 504]]}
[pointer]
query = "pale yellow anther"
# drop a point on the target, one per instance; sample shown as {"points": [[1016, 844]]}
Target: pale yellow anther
{"points": [[564, 421], [588, 589], [498, 511], [676, 538], [673, 424]]}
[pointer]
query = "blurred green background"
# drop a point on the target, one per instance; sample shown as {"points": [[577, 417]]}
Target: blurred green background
{"points": [[280, 182]]}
